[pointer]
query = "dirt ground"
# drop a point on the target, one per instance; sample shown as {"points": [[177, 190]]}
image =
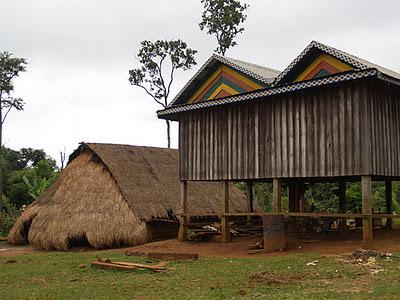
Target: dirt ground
{"points": [[385, 241], [10, 250]]}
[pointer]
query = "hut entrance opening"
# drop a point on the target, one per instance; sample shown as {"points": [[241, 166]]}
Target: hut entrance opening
{"points": [[25, 231], [80, 241]]}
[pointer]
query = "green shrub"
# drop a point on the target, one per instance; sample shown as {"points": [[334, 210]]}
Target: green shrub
{"points": [[8, 215]]}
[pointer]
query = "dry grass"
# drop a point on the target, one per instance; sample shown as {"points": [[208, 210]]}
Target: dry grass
{"points": [[79, 211], [108, 192], [148, 175]]}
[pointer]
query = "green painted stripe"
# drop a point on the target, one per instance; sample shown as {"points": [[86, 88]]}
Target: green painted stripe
{"points": [[229, 83]]}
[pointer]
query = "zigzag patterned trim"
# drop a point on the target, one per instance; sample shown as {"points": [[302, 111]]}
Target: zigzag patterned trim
{"points": [[239, 68], [388, 79], [301, 85], [329, 50]]}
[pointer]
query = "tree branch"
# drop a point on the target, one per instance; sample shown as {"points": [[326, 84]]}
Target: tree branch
{"points": [[151, 95], [5, 115], [161, 77], [170, 81]]}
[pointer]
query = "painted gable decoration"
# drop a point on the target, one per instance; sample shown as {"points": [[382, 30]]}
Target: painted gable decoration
{"points": [[323, 65], [225, 82], [319, 60], [221, 77]]}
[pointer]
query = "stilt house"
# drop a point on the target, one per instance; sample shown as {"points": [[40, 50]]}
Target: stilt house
{"points": [[329, 116]]}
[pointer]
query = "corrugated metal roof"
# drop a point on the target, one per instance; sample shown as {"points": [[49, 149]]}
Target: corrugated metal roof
{"points": [[267, 74]]}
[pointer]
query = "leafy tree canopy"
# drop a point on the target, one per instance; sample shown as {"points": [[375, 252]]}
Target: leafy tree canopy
{"points": [[222, 18], [27, 173], [10, 67], [152, 75]]}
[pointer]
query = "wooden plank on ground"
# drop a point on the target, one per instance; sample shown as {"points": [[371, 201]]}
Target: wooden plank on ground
{"points": [[129, 266], [173, 256]]}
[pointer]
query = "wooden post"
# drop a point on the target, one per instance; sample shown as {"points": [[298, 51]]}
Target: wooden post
{"points": [[225, 233], [249, 190], [367, 209], [182, 233], [342, 204], [292, 207], [292, 196], [277, 195], [389, 203], [250, 201]]}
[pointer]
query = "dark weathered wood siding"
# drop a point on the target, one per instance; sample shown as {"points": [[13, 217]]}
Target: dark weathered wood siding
{"points": [[349, 129], [385, 130]]}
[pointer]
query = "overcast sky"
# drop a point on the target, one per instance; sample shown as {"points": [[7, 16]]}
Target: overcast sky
{"points": [[79, 52]]}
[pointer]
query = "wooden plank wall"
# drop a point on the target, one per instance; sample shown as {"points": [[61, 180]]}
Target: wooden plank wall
{"points": [[315, 133], [385, 131]]}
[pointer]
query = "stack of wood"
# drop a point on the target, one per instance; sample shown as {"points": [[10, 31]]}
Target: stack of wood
{"points": [[108, 264], [206, 232]]}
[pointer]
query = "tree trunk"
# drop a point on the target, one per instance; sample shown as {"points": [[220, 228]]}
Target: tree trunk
{"points": [[168, 133], [1, 153]]}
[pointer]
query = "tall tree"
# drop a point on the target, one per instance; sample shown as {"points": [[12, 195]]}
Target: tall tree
{"points": [[158, 62], [10, 67], [223, 18]]}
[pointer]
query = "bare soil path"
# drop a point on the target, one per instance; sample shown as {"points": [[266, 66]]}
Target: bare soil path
{"points": [[384, 242]]}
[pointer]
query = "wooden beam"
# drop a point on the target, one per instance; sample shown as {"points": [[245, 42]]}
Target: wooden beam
{"points": [[389, 203], [182, 233], [277, 195], [366, 189], [225, 233], [249, 190]]}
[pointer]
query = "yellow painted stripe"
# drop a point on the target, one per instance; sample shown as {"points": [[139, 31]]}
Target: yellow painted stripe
{"points": [[242, 78], [328, 59], [204, 85], [230, 71], [225, 87]]}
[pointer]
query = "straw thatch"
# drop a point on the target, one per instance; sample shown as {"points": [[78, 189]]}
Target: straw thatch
{"points": [[108, 194]]}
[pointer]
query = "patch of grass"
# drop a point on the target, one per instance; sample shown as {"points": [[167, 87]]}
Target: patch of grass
{"points": [[57, 275]]}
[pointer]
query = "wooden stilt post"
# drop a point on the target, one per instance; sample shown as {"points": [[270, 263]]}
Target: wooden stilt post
{"points": [[367, 209], [342, 204], [277, 195], [249, 190], [389, 203], [292, 207], [292, 196], [250, 204], [182, 233], [225, 233]]}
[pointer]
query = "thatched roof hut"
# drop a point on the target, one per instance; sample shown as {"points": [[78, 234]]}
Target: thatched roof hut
{"points": [[108, 195]]}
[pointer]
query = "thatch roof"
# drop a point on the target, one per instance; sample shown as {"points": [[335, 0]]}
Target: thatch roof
{"points": [[148, 179], [107, 193]]}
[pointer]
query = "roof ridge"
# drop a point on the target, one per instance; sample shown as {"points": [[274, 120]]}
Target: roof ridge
{"points": [[128, 145], [246, 62]]}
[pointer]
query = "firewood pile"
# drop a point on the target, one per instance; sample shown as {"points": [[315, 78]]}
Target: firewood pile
{"points": [[207, 232]]}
